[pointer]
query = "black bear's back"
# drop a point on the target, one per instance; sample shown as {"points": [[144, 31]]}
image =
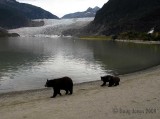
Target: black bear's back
{"points": [[63, 82]]}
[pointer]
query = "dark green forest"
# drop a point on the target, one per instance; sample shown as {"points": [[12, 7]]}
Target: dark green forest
{"points": [[118, 16]]}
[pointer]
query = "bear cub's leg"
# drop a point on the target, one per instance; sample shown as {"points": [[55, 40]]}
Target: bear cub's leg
{"points": [[117, 83], [104, 83], [110, 84]]}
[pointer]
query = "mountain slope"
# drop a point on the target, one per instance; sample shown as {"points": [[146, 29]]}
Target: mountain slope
{"points": [[27, 10], [10, 18], [14, 14], [126, 15], [30, 11], [90, 12]]}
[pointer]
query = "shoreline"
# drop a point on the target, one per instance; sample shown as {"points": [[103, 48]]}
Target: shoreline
{"points": [[145, 70], [138, 41], [137, 96], [118, 40]]}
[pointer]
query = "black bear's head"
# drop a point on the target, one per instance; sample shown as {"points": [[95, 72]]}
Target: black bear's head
{"points": [[48, 83], [102, 78], [106, 78]]}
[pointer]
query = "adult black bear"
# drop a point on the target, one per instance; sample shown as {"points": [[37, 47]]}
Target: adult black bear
{"points": [[64, 83], [113, 80]]}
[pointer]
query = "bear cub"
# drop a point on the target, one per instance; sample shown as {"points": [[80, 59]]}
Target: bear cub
{"points": [[113, 80], [64, 83]]}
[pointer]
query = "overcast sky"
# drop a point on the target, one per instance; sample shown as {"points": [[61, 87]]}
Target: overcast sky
{"points": [[62, 7]]}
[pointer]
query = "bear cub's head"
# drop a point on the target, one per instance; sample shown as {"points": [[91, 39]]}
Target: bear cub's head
{"points": [[106, 78]]}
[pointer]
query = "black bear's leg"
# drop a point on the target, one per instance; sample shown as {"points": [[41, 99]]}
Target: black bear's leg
{"points": [[53, 96], [66, 91], [54, 93], [104, 83], [71, 90], [59, 92]]}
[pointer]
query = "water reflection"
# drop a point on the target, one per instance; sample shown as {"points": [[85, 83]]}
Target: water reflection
{"points": [[127, 57], [26, 62]]}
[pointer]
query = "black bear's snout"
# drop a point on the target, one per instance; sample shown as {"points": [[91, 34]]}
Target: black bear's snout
{"points": [[45, 85]]}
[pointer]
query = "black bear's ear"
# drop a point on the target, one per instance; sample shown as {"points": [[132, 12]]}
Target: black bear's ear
{"points": [[47, 79]]}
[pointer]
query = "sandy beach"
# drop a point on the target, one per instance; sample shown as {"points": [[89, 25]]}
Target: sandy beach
{"points": [[137, 97]]}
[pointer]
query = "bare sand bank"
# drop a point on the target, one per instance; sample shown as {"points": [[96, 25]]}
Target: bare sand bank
{"points": [[137, 97]]}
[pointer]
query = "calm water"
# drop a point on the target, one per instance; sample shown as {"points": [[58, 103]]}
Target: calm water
{"points": [[26, 62]]}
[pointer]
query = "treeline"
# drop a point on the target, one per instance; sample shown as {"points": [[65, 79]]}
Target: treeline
{"points": [[139, 36]]}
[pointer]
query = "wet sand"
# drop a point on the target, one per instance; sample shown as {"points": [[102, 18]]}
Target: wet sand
{"points": [[137, 97]]}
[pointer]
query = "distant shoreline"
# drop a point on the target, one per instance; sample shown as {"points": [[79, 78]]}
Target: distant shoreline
{"points": [[138, 41], [118, 40]]}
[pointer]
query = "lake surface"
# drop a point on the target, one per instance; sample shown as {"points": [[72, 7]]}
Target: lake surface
{"points": [[27, 62]]}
